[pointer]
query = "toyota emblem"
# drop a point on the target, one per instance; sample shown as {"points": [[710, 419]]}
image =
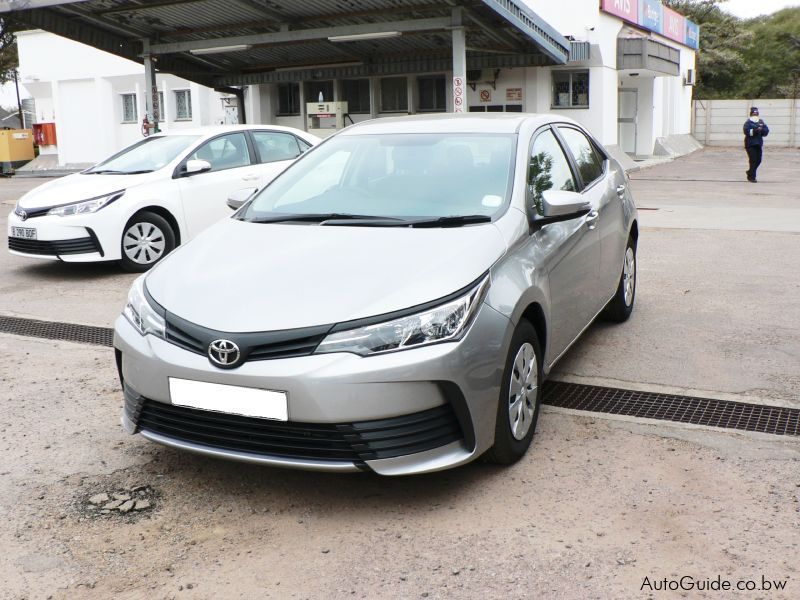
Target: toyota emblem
{"points": [[22, 213], [223, 353]]}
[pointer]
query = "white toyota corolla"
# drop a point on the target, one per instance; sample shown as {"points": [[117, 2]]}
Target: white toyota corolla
{"points": [[138, 205]]}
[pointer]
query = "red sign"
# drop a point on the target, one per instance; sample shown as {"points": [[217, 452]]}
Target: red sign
{"points": [[627, 9], [674, 25]]}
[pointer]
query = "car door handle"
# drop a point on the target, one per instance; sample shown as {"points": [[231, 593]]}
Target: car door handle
{"points": [[620, 190], [250, 177], [591, 219]]}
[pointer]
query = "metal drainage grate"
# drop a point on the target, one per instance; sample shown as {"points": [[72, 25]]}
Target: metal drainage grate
{"points": [[667, 407], [70, 332], [648, 405]]}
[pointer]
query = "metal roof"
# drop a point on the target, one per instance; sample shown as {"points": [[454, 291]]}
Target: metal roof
{"points": [[290, 40]]}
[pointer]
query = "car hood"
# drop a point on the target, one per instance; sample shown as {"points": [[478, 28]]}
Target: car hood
{"points": [[239, 277], [77, 187]]}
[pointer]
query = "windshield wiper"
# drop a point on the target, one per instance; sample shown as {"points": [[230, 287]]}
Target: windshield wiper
{"points": [[321, 218], [451, 221], [113, 172]]}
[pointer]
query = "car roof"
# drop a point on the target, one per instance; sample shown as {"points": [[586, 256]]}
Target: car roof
{"points": [[211, 130], [449, 123]]}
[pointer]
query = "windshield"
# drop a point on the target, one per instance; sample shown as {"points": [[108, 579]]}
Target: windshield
{"points": [[394, 176], [148, 155]]}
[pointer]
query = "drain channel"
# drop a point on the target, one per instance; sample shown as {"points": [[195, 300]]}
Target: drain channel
{"points": [[50, 330], [668, 407], [648, 405]]}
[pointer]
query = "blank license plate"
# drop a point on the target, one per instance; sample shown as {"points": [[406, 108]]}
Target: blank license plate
{"points": [[231, 399], [28, 233]]}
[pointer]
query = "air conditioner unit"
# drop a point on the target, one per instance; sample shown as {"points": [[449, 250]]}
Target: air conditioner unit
{"points": [[690, 78]]}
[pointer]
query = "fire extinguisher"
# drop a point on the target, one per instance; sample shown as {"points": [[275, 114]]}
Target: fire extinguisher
{"points": [[146, 126], [38, 136]]}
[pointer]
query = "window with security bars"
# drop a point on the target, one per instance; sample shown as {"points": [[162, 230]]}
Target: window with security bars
{"points": [[570, 89], [183, 105], [288, 99], [356, 94], [162, 109], [129, 108]]}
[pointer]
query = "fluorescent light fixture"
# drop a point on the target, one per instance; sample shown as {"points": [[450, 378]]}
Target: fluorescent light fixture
{"points": [[235, 48], [352, 63], [360, 37]]}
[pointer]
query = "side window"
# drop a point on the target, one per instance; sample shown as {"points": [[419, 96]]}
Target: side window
{"points": [[224, 152], [548, 168], [590, 165], [304, 145], [273, 146]]}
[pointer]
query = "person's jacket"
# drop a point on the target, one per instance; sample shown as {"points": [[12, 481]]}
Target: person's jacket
{"points": [[754, 133]]}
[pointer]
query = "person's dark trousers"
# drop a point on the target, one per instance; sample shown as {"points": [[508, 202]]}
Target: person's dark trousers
{"points": [[754, 154]]}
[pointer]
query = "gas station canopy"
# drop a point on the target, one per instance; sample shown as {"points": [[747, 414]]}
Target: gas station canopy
{"points": [[227, 43]]}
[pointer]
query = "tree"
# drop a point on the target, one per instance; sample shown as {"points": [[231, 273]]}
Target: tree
{"points": [[773, 56], [8, 51], [721, 64]]}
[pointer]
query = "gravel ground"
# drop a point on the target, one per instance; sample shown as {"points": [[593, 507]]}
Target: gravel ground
{"points": [[598, 504], [593, 509]]}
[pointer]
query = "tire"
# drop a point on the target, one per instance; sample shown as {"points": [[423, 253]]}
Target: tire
{"points": [[513, 431], [146, 239], [621, 305]]}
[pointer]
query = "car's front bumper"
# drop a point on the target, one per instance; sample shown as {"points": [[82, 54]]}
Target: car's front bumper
{"points": [[70, 239], [379, 406]]}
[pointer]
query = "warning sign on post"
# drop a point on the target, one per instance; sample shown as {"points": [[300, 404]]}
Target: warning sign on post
{"points": [[458, 94]]}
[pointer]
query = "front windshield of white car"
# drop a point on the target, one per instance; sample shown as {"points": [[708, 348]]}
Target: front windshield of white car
{"points": [[148, 155], [402, 177]]}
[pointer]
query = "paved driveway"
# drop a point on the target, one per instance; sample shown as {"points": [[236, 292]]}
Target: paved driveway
{"points": [[597, 506], [719, 278]]}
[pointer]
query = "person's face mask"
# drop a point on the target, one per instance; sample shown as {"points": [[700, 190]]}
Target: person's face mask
{"points": [[755, 119]]}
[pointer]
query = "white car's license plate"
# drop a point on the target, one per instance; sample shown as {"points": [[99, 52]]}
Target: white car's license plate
{"points": [[28, 233], [231, 399]]}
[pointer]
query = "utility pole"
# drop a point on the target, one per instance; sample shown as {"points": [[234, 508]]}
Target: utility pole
{"points": [[19, 103]]}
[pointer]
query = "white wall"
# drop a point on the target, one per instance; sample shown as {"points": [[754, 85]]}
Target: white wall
{"points": [[79, 88], [719, 122]]}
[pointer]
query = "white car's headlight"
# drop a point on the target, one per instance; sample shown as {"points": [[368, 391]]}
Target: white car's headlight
{"points": [[85, 206], [143, 315], [443, 323]]}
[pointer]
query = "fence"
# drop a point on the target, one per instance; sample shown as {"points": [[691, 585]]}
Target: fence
{"points": [[719, 122]]}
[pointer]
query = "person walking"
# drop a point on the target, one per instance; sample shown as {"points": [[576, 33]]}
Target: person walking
{"points": [[755, 130]]}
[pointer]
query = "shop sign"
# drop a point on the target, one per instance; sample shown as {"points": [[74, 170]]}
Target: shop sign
{"points": [[654, 16]]}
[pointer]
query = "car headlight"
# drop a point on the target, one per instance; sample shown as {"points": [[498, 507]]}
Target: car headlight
{"points": [[145, 317], [85, 206], [443, 323]]}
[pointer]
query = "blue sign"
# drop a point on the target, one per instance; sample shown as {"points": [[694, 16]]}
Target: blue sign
{"points": [[651, 15], [692, 34]]}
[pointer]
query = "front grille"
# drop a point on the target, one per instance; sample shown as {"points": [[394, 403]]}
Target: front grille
{"points": [[54, 248], [264, 345], [352, 442]]}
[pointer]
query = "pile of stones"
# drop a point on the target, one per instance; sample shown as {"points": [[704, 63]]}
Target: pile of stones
{"points": [[136, 499]]}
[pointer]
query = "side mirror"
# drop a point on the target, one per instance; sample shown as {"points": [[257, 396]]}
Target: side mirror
{"points": [[237, 199], [196, 166], [558, 203]]}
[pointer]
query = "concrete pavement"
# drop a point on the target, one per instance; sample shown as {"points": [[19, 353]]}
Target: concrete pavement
{"points": [[717, 309]]}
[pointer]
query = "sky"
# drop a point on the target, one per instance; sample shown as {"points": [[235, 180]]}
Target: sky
{"points": [[745, 9]]}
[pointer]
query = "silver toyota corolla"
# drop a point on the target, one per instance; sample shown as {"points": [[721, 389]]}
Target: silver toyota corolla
{"points": [[390, 303]]}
